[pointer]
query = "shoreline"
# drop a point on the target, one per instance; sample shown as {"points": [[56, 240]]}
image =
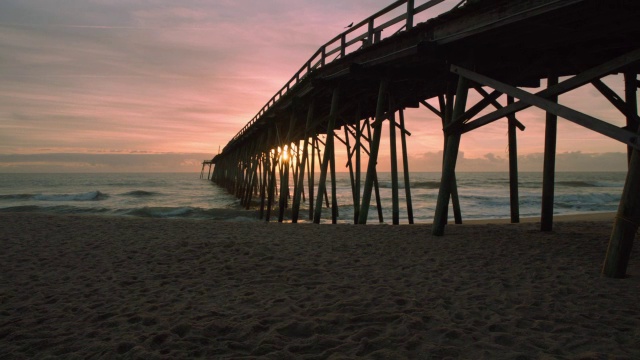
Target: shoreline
{"points": [[590, 216], [78, 286]]}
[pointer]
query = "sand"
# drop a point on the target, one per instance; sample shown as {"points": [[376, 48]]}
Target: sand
{"points": [[111, 287]]}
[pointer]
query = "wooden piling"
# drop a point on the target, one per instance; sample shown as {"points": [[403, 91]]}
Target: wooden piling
{"points": [[301, 166], [272, 184], [376, 185], [328, 149], [350, 166], [286, 159], [334, 189], [549, 166], [312, 169], [446, 107], [356, 201], [266, 166], [626, 223], [513, 167], [395, 201], [373, 152], [631, 99], [405, 167], [627, 219], [450, 158], [284, 183]]}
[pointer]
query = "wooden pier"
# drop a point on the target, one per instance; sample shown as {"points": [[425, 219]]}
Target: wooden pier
{"points": [[206, 163], [359, 83]]}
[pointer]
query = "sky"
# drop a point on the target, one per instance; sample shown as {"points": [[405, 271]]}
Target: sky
{"points": [[160, 85]]}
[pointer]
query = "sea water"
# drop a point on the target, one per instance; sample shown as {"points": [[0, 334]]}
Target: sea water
{"points": [[185, 195]]}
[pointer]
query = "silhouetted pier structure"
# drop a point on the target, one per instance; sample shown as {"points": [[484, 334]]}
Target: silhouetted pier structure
{"points": [[361, 81], [204, 164]]}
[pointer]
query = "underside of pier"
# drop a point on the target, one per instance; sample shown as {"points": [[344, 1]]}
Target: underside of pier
{"points": [[361, 81]]}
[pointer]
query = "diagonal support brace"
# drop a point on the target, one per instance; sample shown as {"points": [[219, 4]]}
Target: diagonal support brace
{"points": [[574, 116], [561, 88]]}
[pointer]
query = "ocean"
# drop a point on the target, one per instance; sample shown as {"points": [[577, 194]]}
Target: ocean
{"points": [[185, 195]]}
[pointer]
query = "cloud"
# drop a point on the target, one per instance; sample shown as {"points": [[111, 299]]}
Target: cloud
{"points": [[106, 162], [89, 76]]}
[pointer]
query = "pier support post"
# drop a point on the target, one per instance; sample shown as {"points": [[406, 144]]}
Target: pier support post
{"points": [[627, 219], [356, 201], [549, 167], [376, 186], [286, 161], [266, 167], [312, 170], [450, 158], [395, 201], [373, 152], [301, 167], [272, 184], [630, 94], [350, 166], [284, 182], [328, 151], [626, 223], [446, 107], [405, 167], [513, 167]]}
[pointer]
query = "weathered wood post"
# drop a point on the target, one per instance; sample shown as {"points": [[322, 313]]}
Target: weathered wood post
{"points": [[376, 186], [549, 167], [272, 183], [373, 152], [446, 106], [284, 181], [513, 167], [334, 190], [356, 201], [266, 161], [395, 201], [627, 219], [305, 153], [350, 166], [410, 11], [286, 160], [405, 168], [630, 90], [328, 149], [312, 169], [626, 223], [450, 158]]}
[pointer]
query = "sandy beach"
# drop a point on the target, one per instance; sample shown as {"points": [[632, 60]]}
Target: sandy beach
{"points": [[99, 287]]}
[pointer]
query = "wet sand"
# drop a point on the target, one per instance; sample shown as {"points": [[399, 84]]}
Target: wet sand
{"points": [[112, 287]]}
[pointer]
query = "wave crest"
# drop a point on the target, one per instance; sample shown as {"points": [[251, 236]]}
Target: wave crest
{"points": [[87, 196], [140, 193]]}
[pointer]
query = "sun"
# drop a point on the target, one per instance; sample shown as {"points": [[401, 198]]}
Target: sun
{"points": [[284, 153]]}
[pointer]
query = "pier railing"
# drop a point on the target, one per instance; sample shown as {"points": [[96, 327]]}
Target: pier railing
{"points": [[360, 35]]}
